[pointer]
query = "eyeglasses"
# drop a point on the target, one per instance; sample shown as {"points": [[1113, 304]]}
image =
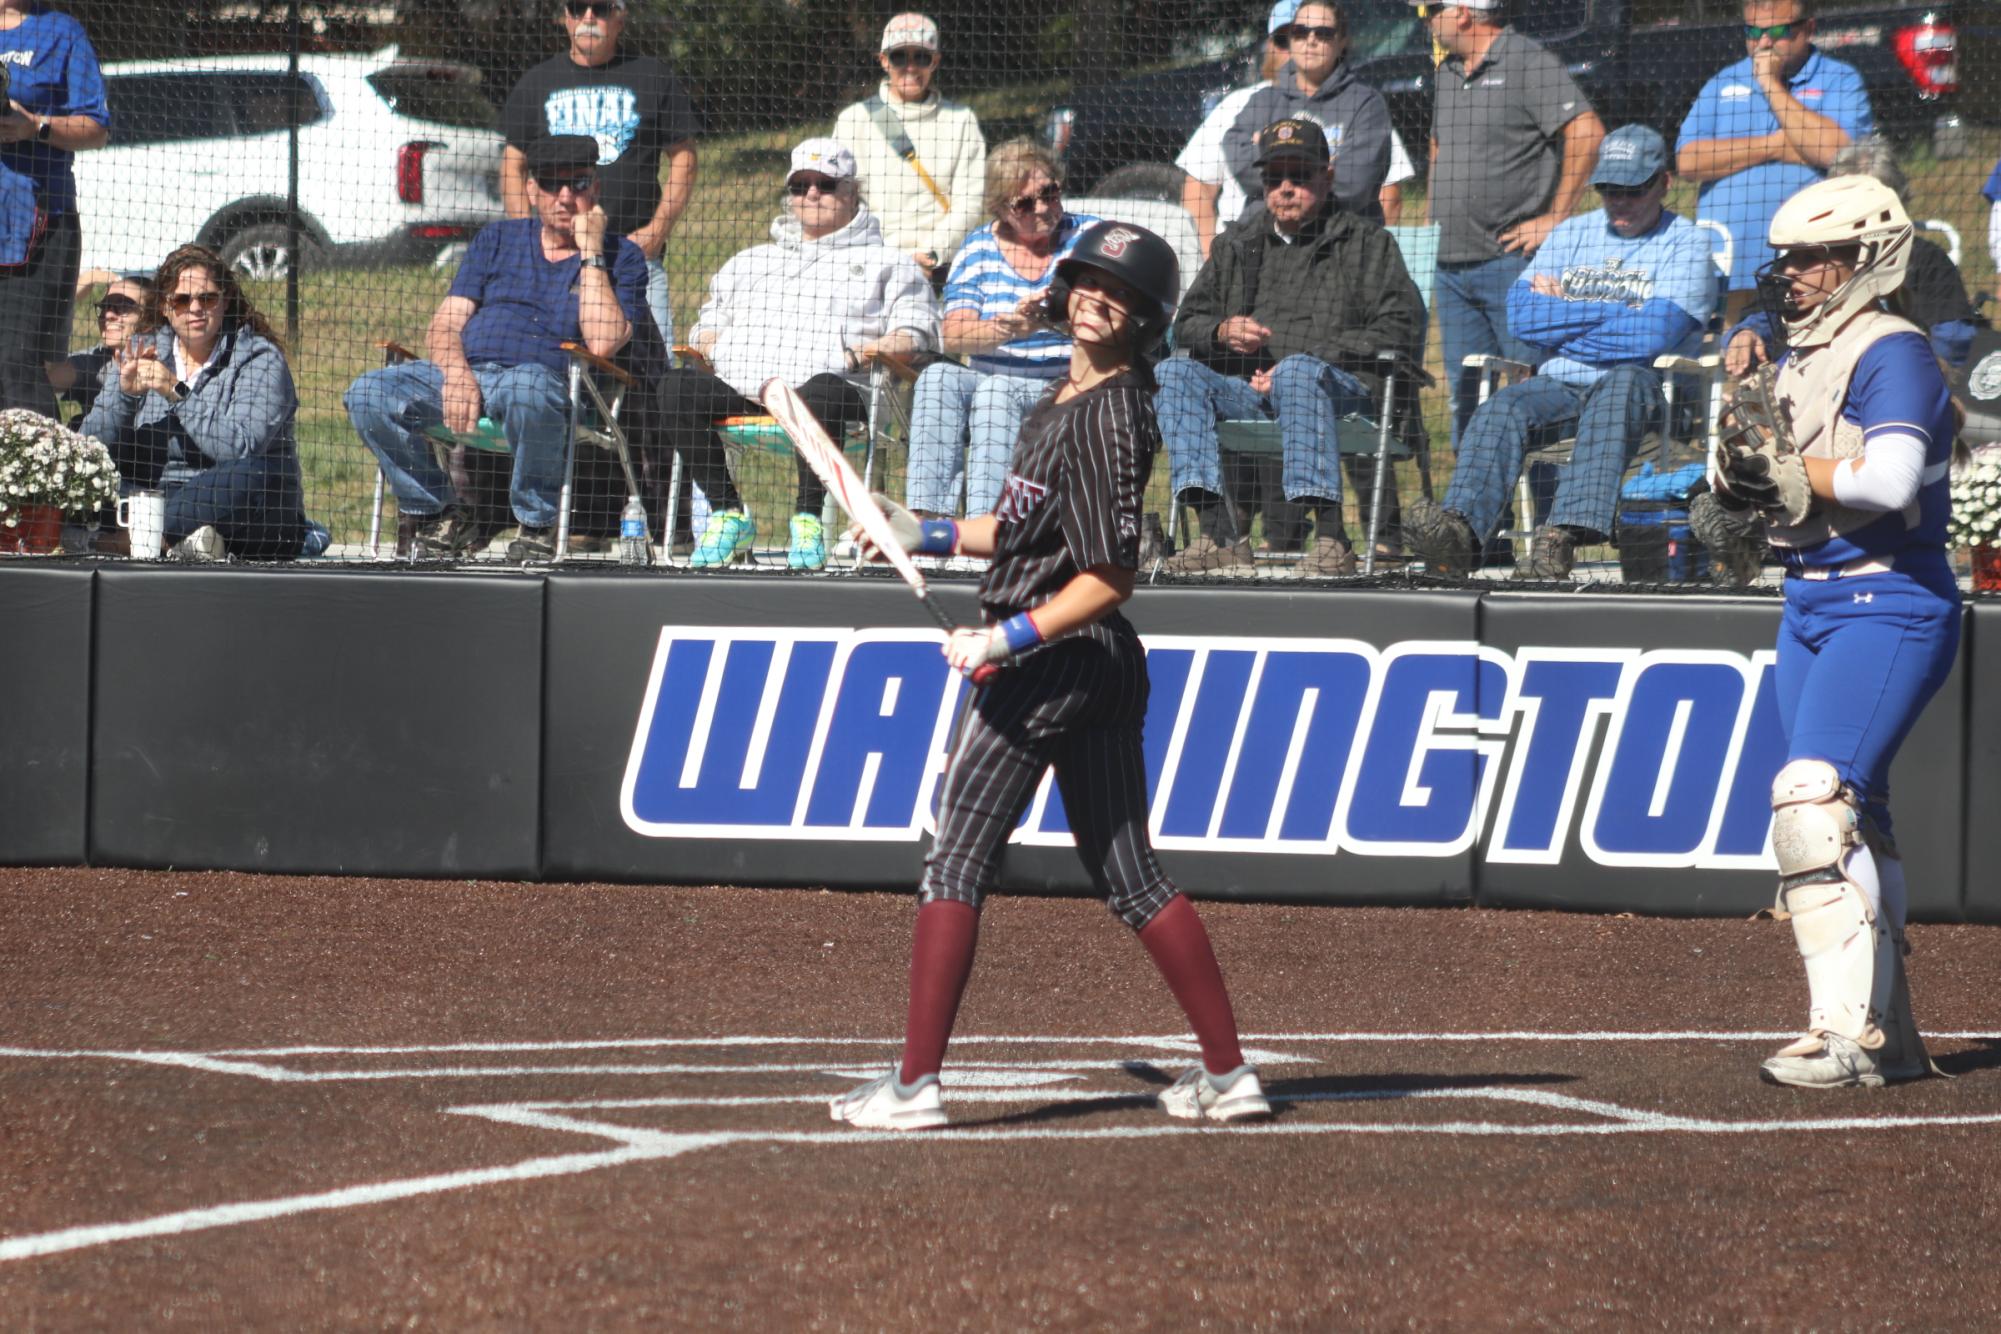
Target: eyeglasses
{"points": [[1324, 33], [798, 186], [1048, 194], [1611, 192], [903, 57], [1301, 174], [182, 301], [116, 305], [605, 9], [1778, 32], [582, 183]]}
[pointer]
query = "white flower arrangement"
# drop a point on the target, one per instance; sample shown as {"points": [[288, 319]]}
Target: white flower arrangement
{"points": [[1976, 501], [43, 462]]}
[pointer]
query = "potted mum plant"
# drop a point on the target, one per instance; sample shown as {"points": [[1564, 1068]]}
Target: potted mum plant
{"points": [[47, 471], [1976, 516]]}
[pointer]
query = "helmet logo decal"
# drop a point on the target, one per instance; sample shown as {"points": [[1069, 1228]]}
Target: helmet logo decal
{"points": [[1116, 241]]}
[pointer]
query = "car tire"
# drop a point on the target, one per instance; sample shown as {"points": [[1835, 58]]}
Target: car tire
{"points": [[1143, 180], [262, 253]]}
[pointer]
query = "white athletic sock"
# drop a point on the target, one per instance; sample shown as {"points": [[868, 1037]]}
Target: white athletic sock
{"points": [[1861, 867]]}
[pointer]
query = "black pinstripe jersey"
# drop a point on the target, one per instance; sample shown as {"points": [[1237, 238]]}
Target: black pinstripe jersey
{"points": [[1072, 495]]}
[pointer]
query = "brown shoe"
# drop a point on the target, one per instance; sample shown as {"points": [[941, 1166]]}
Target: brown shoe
{"points": [[1331, 558], [1204, 556], [451, 535], [1441, 538], [1551, 554]]}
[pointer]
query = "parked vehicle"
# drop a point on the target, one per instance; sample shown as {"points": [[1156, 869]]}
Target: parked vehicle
{"points": [[1637, 60], [397, 160]]}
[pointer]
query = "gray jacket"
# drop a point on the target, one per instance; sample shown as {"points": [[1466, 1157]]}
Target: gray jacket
{"points": [[1357, 122], [241, 405]]}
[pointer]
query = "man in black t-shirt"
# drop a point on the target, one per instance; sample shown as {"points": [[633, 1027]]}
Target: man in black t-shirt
{"points": [[636, 110]]}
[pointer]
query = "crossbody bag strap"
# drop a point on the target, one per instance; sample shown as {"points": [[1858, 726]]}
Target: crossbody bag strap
{"points": [[890, 125]]}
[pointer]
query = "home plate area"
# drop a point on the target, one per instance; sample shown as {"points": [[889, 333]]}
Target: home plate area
{"points": [[617, 1104]]}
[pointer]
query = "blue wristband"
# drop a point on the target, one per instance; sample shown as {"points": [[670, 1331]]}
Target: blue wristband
{"points": [[1020, 633], [941, 537]]}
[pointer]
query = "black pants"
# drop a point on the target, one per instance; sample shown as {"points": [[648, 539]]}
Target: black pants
{"points": [[35, 300], [692, 402]]}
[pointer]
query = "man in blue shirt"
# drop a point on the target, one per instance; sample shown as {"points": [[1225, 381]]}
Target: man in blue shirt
{"points": [[1764, 129], [1606, 294], [526, 287]]}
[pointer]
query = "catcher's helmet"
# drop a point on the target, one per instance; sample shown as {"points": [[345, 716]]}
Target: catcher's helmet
{"points": [[1137, 258], [1843, 211]]}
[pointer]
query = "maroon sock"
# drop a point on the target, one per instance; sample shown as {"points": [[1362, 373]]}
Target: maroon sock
{"points": [[941, 959], [1180, 950]]}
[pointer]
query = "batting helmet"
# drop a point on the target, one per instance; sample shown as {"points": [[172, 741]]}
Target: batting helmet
{"points": [[1137, 258], [1843, 211]]}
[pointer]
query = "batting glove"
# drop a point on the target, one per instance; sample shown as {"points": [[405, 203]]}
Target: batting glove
{"points": [[922, 537], [970, 650]]}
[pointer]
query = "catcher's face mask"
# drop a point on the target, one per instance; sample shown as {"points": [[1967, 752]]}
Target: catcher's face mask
{"points": [[1802, 279]]}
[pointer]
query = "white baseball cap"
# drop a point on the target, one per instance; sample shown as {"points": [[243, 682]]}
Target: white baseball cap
{"points": [[829, 157], [910, 30]]}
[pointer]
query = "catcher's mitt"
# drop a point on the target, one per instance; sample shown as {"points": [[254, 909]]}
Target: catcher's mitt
{"points": [[1754, 460]]}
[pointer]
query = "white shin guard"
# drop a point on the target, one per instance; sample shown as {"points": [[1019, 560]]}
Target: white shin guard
{"points": [[1827, 884]]}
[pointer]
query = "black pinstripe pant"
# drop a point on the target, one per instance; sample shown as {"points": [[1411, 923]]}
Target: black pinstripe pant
{"points": [[1077, 706]]}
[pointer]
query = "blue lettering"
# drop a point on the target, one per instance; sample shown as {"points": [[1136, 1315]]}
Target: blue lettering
{"points": [[878, 750], [1324, 691], [1416, 789], [1549, 756], [1666, 766]]}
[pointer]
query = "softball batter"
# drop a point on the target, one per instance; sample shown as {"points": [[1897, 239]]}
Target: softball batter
{"points": [[1858, 517], [1071, 691]]}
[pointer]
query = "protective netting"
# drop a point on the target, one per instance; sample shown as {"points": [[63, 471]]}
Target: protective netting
{"points": [[362, 365]]}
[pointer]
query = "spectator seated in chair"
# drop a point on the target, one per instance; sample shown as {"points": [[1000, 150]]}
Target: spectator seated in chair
{"points": [[526, 287], [809, 308], [973, 412], [1609, 292], [1284, 321], [204, 410], [125, 309]]}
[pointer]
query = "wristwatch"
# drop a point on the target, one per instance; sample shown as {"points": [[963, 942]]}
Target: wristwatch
{"points": [[597, 262], [44, 129]]}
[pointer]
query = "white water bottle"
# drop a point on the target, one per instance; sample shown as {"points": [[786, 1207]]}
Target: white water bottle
{"points": [[632, 544]]}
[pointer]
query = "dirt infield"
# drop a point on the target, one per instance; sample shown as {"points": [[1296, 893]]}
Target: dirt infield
{"points": [[252, 1102]]}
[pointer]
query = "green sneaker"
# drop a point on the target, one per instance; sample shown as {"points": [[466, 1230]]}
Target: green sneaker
{"points": [[726, 538], [809, 544]]}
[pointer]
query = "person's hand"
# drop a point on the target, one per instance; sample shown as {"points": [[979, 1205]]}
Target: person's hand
{"points": [[651, 239], [1261, 381], [1546, 284], [1527, 236], [591, 226], [1242, 334], [140, 370], [1018, 323], [969, 649], [905, 527], [462, 399], [17, 124], [1745, 354], [926, 261], [1767, 67]]}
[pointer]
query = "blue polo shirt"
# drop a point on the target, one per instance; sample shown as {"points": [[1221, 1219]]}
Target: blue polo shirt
{"points": [[1732, 106], [53, 72], [1991, 192], [528, 306]]}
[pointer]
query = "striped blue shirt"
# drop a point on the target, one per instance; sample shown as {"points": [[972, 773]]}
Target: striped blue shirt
{"points": [[984, 282]]}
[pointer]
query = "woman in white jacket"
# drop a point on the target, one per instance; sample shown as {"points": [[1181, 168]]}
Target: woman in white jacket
{"points": [[809, 308]]}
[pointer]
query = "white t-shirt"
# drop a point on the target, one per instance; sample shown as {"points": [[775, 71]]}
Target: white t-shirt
{"points": [[1203, 157]]}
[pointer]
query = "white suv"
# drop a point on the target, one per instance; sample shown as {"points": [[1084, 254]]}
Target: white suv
{"points": [[398, 159]]}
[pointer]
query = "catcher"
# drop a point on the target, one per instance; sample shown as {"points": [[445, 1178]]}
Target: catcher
{"points": [[1842, 447]]}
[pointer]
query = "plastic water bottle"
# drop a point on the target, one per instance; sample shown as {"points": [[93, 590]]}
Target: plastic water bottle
{"points": [[632, 544]]}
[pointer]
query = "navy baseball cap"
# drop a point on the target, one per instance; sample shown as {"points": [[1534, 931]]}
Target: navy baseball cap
{"points": [[1630, 156], [562, 152]]}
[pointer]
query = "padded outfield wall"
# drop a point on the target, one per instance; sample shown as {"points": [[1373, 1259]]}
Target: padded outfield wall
{"points": [[1588, 750]]}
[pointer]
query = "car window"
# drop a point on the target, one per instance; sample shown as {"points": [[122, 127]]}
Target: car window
{"points": [[162, 108], [441, 94], [265, 103]]}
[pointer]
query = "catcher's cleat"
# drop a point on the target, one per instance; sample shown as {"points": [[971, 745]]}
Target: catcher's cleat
{"points": [[1201, 1096], [885, 1104], [1836, 1062]]}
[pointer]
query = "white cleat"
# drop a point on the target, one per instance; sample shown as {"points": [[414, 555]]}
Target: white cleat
{"points": [[1201, 1096], [884, 1104], [1836, 1063]]}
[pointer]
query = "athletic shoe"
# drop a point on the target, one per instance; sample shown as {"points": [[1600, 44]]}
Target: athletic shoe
{"points": [[885, 1104], [1442, 538], [1203, 555], [1331, 558], [201, 547], [726, 538], [533, 544], [809, 544], [1552, 551], [452, 534], [1201, 1096], [1838, 1063]]}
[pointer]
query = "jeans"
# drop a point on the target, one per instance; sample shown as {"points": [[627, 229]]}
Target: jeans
{"points": [[1472, 305], [392, 409], [659, 300], [957, 409], [254, 503], [1608, 418], [1308, 399]]}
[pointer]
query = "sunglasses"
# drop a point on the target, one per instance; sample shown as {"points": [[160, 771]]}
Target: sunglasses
{"points": [[183, 301], [1778, 32], [904, 57], [1325, 34], [798, 186], [581, 183], [604, 9], [1301, 174], [116, 305], [1627, 191], [1048, 194]]}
